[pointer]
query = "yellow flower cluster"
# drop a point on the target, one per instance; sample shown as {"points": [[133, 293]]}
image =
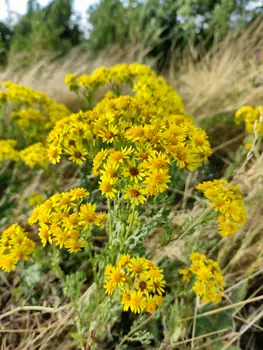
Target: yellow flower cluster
{"points": [[34, 112], [8, 151], [70, 137], [209, 282], [35, 156], [250, 115], [146, 85], [62, 219], [14, 246], [143, 145], [138, 281], [228, 201], [22, 94]]}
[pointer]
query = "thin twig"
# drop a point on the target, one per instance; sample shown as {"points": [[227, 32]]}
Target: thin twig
{"points": [[33, 308], [249, 325], [194, 323], [201, 336], [227, 143], [224, 308]]}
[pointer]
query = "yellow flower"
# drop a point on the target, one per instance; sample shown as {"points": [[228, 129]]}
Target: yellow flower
{"points": [[199, 288], [123, 260], [117, 276], [108, 133], [157, 181], [186, 274], [44, 234], [7, 263], [117, 157], [78, 154], [101, 220], [209, 283], [87, 214], [134, 194], [134, 172], [106, 186], [54, 154], [134, 284], [109, 287], [150, 305], [78, 193], [137, 302], [35, 155], [137, 266], [14, 246], [74, 245], [126, 300], [226, 199]]}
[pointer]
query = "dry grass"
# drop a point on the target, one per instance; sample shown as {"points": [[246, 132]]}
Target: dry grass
{"points": [[47, 74], [222, 79]]}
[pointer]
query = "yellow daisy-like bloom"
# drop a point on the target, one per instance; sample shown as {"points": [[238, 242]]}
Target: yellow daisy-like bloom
{"points": [[118, 157], [54, 154], [123, 260], [126, 300], [140, 288], [228, 202], [87, 214], [137, 302], [209, 282], [157, 181], [78, 153], [106, 186], [108, 133], [133, 171], [134, 194]]}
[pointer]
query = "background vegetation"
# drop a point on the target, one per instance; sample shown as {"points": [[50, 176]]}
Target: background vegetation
{"points": [[211, 51]]}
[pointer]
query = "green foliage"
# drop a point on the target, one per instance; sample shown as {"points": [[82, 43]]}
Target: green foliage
{"points": [[46, 29], [163, 25], [5, 40]]}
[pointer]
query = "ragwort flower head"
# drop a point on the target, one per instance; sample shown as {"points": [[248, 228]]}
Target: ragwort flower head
{"points": [[227, 200], [14, 247], [208, 279], [139, 283], [63, 218]]}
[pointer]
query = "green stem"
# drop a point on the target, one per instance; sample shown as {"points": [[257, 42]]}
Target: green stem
{"points": [[92, 260], [195, 223], [60, 274], [79, 324], [131, 222], [194, 324], [52, 173], [110, 220]]}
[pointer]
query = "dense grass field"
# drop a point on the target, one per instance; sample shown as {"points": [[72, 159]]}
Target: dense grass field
{"points": [[131, 201]]}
